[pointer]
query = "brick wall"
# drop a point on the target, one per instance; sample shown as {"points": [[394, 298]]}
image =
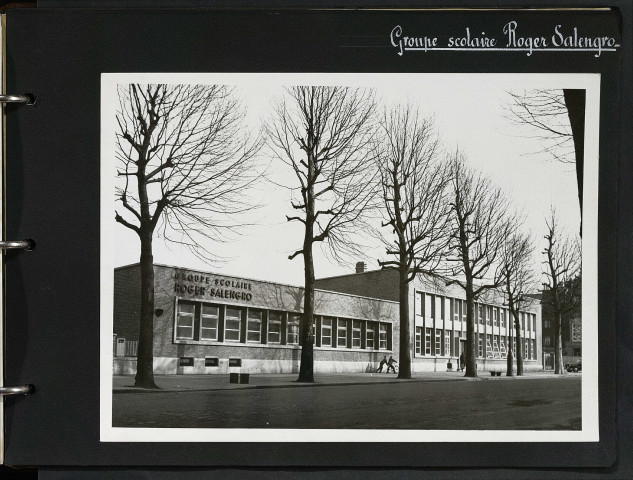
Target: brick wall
{"points": [[127, 301], [376, 284]]}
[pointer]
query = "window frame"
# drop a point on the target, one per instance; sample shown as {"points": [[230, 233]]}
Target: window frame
{"points": [[370, 328], [418, 340], [259, 320], [324, 328], [216, 317], [294, 320], [447, 343], [356, 330], [382, 328], [228, 319], [438, 342], [342, 325], [427, 341], [179, 316], [276, 321]]}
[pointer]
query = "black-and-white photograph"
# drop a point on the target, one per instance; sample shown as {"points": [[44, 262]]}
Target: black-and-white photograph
{"points": [[306, 257]]}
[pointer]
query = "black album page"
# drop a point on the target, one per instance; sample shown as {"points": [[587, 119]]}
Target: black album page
{"points": [[380, 238]]}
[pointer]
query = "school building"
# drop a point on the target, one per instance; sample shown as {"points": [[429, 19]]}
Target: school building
{"points": [[206, 323]]}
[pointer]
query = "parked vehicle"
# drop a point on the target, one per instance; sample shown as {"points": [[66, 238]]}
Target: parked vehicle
{"points": [[574, 367]]}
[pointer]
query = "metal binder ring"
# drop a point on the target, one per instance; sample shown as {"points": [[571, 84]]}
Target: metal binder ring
{"points": [[23, 244], [22, 390], [16, 99]]}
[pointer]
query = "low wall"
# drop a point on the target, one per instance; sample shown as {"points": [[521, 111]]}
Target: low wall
{"points": [[169, 366], [124, 366], [433, 364]]}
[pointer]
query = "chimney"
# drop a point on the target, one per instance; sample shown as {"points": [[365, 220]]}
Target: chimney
{"points": [[360, 267]]}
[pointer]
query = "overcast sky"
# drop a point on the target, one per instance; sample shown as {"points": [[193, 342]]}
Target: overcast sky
{"points": [[469, 114]]}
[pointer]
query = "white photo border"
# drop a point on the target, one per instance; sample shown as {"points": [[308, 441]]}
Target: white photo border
{"points": [[590, 407]]}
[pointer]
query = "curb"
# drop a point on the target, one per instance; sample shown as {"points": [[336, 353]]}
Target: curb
{"points": [[309, 385], [292, 385]]}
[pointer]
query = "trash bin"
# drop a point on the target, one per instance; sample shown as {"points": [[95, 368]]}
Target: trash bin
{"points": [[234, 377], [244, 377]]}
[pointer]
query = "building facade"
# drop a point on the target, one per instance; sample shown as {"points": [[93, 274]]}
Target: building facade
{"points": [[206, 323], [439, 321]]}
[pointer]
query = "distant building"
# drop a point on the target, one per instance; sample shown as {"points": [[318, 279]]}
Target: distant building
{"points": [[571, 334]]}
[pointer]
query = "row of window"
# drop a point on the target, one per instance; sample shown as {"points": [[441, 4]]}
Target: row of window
{"points": [[427, 305], [202, 322], [440, 342]]}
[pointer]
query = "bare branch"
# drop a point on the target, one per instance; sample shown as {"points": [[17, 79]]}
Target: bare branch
{"points": [[184, 161]]}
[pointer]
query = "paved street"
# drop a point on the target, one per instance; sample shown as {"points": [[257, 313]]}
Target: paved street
{"points": [[545, 402]]}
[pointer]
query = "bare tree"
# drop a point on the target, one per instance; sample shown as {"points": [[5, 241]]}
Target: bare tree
{"points": [[518, 282], [558, 117], [479, 226], [414, 196], [322, 134], [183, 165], [562, 289]]}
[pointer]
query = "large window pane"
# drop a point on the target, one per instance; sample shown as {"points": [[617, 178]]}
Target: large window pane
{"points": [[292, 331], [447, 343], [184, 321], [254, 326], [274, 327], [371, 336], [356, 334], [383, 336], [418, 340], [342, 333], [438, 342], [326, 332], [427, 342], [232, 325], [209, 322]]}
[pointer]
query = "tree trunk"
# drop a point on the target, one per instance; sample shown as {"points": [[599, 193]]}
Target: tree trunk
{"points": [[519, 350], [559, 367], [471, 359], [145, 356], [306, 329], [306, 332], [509, 363], [405, 327], [575, 102]]}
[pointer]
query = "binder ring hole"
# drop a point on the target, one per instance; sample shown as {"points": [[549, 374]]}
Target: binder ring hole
{"points": [[31, 244]]}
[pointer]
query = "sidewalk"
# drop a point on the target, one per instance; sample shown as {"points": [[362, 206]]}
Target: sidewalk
{"points": [[181, 383]]}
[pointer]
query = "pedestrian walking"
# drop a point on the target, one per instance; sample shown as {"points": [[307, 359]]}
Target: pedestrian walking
{"points": [[461, 361], [382, 364], [390, 364]]}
